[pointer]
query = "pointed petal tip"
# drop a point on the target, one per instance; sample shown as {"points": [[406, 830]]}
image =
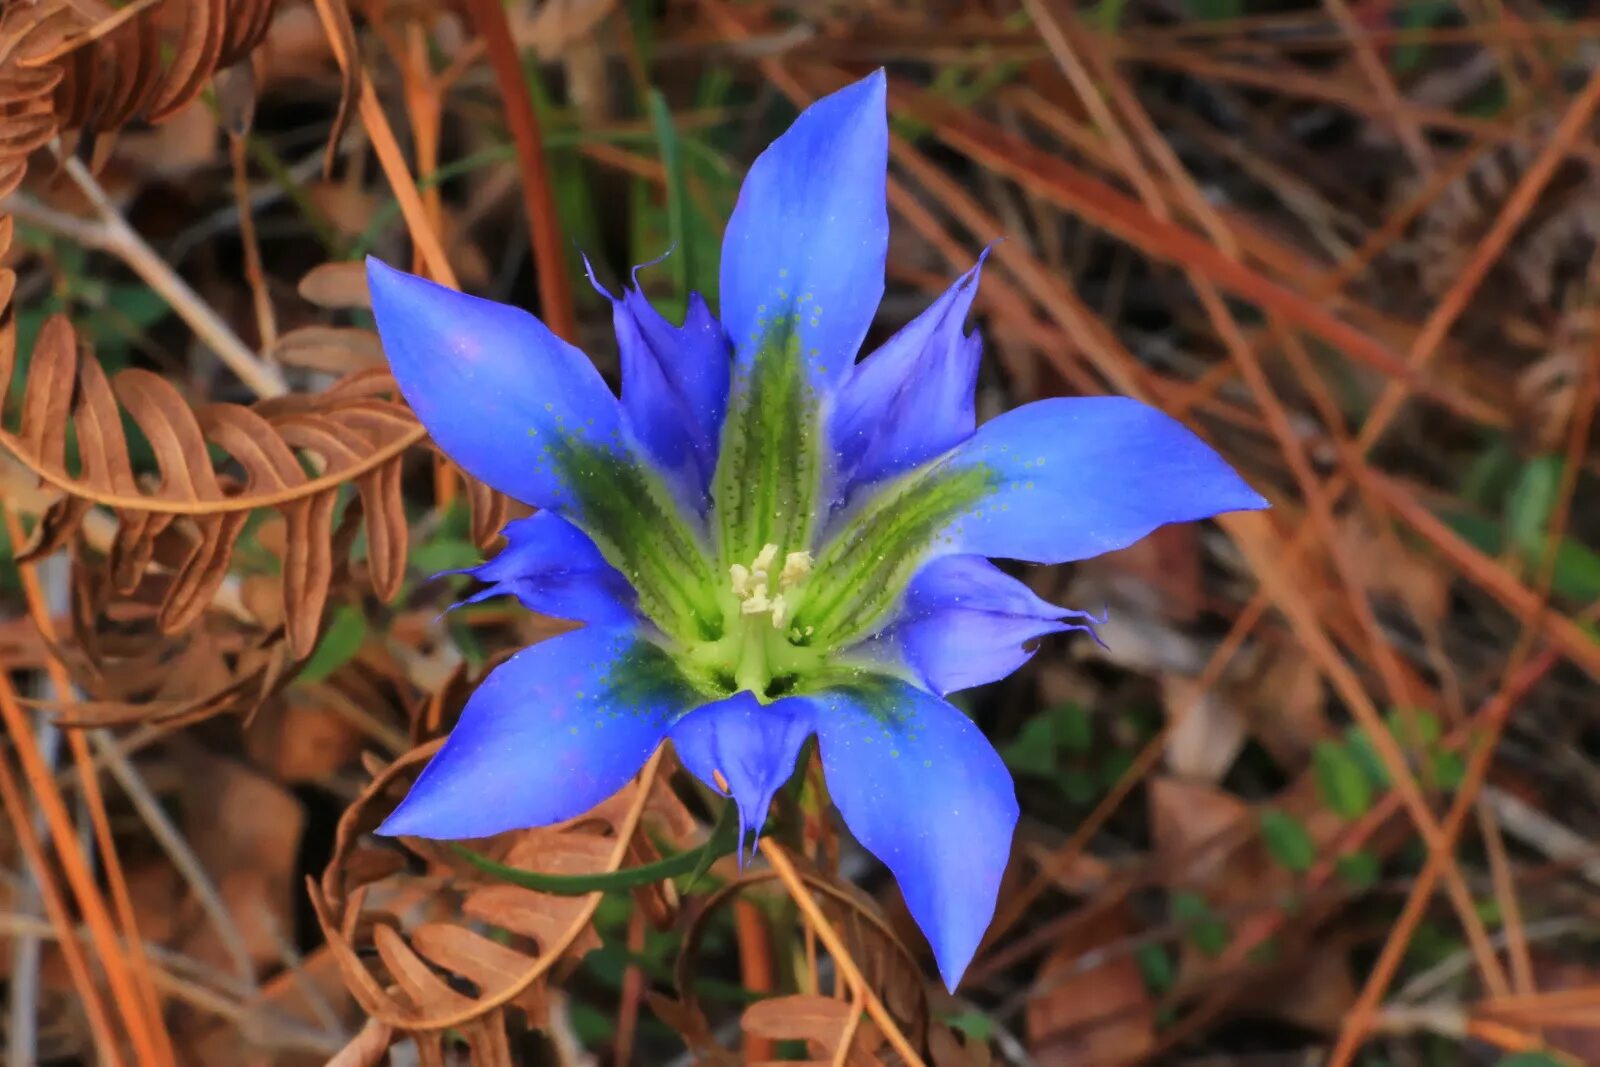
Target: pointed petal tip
{"points": [[381, 275], [952, 971], [401, 822]]}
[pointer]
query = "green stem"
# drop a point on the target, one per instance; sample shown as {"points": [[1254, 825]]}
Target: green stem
{"points": [[723, 840]]}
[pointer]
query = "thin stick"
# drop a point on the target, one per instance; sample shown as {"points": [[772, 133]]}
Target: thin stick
{"points": [[755, 966], [254, 272], [391, 159], [841, 955], [549, 253], [94, 803], [1358, 1020], [127, 997], [94, 1009], [852, 1024], [632, 993], [114, 235]]}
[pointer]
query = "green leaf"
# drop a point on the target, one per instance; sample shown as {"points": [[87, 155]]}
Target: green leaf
{"points": [[1489, 476], [1360, 747], [1448, 769], [1417, 729], [1287, 840], [340, 643], [1419, 15], [1074, 728], [445, 554], [1341, 781], [1079, 788], [1533, 1059], [1155, 964], [1106, 15], [1266, 953], [1360, 869], [1532, 499], [1113, 766], [1216, 10], [1208, 932], [971, 1024], [681, 261], [1577, 571], [1033, 750]]}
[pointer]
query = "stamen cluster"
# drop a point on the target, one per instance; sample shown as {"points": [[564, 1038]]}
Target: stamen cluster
{"points": [[752, 584]]}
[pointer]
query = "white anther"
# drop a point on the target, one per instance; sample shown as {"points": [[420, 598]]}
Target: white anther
{"points": [[757, 603], [796, 565], [740, 574], [780, 611], [763, 563]]}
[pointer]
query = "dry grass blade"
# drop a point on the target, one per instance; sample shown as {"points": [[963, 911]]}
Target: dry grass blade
{"points": [[859, 989]]}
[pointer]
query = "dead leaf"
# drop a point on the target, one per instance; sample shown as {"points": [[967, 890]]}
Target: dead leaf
{"points": [[337, 285], [245, 829], [818, 1021], [1209, 732], [1087, 1017], [558, 24]]}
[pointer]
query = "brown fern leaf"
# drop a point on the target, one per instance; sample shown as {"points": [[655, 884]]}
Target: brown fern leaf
{"points": [[131, 672], [354, 432], [369, 904], [87, 67]]}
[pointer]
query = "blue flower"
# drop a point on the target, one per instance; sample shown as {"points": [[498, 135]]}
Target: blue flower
{"points": [[770, 540]]}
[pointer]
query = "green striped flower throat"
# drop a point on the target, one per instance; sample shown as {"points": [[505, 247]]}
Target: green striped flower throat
{"points": [[803, 579]]}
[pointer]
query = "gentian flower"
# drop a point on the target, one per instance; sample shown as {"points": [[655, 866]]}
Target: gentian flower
{"points": [[768, 539]]}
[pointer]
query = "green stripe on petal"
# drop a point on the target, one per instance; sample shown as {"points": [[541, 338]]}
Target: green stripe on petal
{"points": [[769, 472], [861, 574], [630, 514]]}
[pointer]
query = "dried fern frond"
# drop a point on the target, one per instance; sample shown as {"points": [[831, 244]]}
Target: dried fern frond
{"points": [[400, 939], [352, 432]]}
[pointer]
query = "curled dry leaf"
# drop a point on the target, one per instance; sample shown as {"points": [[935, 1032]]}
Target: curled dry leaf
{"points": [[886, 965], [453, 951], [821, 1022], [67, 66]]}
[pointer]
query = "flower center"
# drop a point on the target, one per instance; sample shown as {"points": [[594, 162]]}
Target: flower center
{"points": [[752, 585], [761, 650]]}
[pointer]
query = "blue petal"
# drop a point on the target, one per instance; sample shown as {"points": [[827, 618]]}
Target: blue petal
{"points": [[527, 413], [923, 790], [491, 383], [1075, 477], [912, 398], [752, 745], [553, 568], [549, 734], [674, 386], [965, 622], [805, 245]]}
